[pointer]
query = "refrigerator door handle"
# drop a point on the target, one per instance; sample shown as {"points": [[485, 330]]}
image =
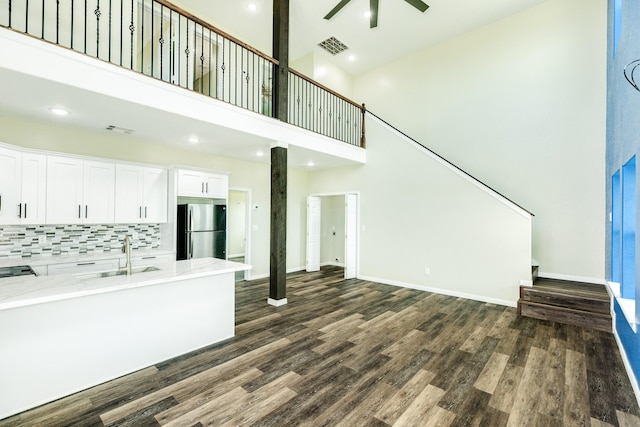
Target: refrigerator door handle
{"points": [[190, 246], [190, 224]]}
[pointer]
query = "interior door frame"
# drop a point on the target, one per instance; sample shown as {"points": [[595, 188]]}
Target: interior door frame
{"points": [[247, 226], [357, 227]]}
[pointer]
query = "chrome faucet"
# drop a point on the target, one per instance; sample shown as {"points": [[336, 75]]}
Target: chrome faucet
{"points": [[126, 248]]}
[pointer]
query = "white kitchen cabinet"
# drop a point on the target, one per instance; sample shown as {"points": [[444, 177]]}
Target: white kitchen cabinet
{"points": [[141, 194], [143, 261], [79, 191], [22, 187], [202, 184], [83, 267]]}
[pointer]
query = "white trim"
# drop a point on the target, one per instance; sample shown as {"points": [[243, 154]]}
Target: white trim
{"points": [[266, 275], [595, 280], [526, 283], [334, 264], [279, 144], [441, 291], [627, 305], [247, 227], [296, 269], [625, 359], [457, 171], [277, 302], [234, 255], [258, 276]]}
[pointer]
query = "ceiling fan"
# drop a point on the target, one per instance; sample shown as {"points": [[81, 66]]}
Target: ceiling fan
{"points": [[373, 7]]}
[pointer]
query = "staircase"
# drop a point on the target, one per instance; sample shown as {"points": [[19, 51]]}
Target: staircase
{"points": [[572, 303]]}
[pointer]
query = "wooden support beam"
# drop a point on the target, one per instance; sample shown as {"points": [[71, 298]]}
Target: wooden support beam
{"points": [[281, 53], [278, 262]]}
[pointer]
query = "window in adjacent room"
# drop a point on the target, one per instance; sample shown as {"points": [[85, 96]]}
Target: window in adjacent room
{"points": [[617, 24]]}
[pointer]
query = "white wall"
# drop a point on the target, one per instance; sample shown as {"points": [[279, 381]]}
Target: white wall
{"points": [[520, 104], [254, 176], [236, 223], [417, 214], [332, 230], [318, 66]]}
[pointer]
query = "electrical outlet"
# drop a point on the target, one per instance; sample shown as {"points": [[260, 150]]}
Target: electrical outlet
{"points": [[427, 271], [42, 239]]}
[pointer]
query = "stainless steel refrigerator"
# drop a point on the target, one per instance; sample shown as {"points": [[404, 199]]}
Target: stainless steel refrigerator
{"points": [[202, 231]]}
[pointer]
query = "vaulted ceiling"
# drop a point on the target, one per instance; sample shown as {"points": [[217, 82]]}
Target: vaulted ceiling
{"points": [[401, 28]]}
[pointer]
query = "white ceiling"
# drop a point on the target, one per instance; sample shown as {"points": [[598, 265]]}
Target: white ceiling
{"points": [[401, 30]]}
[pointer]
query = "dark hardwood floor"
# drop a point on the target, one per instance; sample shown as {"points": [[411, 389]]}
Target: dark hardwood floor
{"points": [[356, 353]]}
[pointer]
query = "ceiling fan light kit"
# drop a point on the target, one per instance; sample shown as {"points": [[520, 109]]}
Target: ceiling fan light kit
{"points": [[373, 8]]}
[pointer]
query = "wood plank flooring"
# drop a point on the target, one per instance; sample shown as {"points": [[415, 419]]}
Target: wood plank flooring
{"points": [[357, 353]]}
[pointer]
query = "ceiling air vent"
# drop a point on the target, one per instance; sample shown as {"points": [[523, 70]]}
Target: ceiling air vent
{"points": [[117, 129], [333, 45]]}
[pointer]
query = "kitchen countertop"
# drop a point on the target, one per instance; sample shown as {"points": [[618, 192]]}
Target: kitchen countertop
{"points": [[36, 261], [24, 291]]}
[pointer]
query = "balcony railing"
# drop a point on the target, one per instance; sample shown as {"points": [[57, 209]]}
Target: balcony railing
{"points": [[159, 40]]}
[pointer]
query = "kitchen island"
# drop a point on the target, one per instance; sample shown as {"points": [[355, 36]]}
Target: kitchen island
{"points": [[65, 333]]}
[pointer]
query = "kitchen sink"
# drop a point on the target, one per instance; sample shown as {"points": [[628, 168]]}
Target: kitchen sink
{"points": [[119, 272]]}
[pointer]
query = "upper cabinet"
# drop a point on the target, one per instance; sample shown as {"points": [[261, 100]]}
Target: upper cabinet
{"points": [[80, 191], [202, 184], [22, 187], [141, 194]]}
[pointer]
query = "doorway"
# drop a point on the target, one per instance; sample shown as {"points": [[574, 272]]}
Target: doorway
{"points": [[238, 229], [332, 232]]}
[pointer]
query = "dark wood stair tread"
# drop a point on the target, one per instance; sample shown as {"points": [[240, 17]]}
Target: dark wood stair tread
{"points": [[568, 316], [573, 303]]}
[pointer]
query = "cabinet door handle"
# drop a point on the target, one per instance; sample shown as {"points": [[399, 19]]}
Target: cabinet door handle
{"points": [[86, 211], [0, 202], [79, 211], [25, 210], [202, 191], [140, 214], [145, 212], [85, 263], [19, 210], [207, 188]]}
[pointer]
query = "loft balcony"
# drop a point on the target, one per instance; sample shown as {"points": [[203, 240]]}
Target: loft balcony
{"points": [[188, 72]]}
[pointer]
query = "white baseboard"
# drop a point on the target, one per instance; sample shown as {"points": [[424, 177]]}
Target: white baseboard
{"points": [[235, 255], [333, 264], [597, 281], [265, 275], [625, 359], [276, 302], [441, 291], [527, 283]]}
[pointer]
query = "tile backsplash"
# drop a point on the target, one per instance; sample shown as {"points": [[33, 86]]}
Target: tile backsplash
{"points": [[45, 240]]}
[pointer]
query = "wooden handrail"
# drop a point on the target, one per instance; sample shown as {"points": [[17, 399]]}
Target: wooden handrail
{"points": [[323, 87], [216, 30]]}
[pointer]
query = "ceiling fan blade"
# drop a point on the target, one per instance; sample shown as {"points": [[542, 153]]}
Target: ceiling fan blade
{"points": [[373, 8], [336, 9], [418, 4]]}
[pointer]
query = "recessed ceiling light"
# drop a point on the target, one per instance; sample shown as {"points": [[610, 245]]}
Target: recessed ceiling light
{"points": [[259, 153], [367, 14], [351, 58], [310, 164], [252, 7], [59, 111], [194, 139]]}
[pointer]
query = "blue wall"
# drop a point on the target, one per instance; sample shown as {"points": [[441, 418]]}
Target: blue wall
{"points": [[623, 137]]}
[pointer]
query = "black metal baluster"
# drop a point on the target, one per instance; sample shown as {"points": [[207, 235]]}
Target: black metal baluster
{"points": [[9, 13], [153, 18], [222, 67], [242, 77], [26, 18], [171, 58], [210, 52], [161, 41], [121, 29], [201, 59], [43, 12], [72, 20], [179, 50], [217, 52], [57, 21], [97, 12], [235, 73], [186, 51], [110, 14], [85, 27], [132, 28], [141, 37]]}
